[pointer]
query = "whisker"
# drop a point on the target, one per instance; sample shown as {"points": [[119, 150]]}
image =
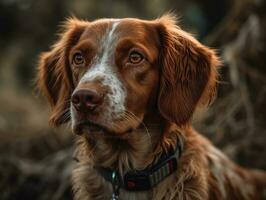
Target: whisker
{"points": [[134, 117], [66, 114]]}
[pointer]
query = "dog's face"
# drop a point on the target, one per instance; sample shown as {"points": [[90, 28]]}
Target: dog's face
{"points": [[114, 68], [107, 74]]}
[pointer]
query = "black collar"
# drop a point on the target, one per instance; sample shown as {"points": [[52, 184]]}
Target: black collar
{"points": [[139, 180]]}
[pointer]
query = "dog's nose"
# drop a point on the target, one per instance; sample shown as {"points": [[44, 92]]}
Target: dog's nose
{"points": [[86, 99]]}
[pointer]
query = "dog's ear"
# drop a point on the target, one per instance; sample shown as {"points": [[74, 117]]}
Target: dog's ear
{"points": [[54, 77], [188, 72]]}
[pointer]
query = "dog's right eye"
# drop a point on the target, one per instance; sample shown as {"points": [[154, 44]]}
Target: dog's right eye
{"points": [[135, 57], [78, 59]]}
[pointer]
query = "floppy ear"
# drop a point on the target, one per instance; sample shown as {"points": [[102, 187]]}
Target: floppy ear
{"points": [[54, 76], [188, 72]]}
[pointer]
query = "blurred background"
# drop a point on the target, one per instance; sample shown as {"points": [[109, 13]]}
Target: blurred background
{"points": [[36, 160]]}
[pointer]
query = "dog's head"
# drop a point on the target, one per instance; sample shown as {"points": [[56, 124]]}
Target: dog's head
{"points": [[106, 75]]}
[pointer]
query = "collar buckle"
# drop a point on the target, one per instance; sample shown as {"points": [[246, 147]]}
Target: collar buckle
{"points": [[146, 179]]}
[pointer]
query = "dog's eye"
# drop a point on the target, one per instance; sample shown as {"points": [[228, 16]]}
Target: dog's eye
{"points": [[78, 59], [135, 57]]}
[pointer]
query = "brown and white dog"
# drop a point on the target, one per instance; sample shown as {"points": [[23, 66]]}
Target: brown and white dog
{"points": [[130, 88]]}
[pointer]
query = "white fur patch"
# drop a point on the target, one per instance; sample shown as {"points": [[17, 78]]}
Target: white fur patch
{"points": [[102, 70]]}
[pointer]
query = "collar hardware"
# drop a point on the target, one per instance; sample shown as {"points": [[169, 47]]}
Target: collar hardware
{"points": [[115, 185]]}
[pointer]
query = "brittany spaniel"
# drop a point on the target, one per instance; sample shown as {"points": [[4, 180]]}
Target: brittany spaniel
{"points": [[130, 88]]}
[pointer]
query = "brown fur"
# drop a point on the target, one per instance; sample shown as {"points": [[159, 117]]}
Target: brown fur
{"points": [[180, 74]]}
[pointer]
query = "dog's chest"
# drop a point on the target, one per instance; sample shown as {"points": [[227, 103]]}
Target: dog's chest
{"points": [[159, 192], [127, 195]]}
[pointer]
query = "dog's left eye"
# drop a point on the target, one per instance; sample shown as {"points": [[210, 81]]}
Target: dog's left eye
{"points": [[78, 59], [135, 57]]}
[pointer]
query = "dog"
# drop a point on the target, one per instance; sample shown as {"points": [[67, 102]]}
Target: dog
{"points": [[130, 88]]}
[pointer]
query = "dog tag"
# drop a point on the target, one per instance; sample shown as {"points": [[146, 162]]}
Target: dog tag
{"points": [[115, 185], [114, 197]]}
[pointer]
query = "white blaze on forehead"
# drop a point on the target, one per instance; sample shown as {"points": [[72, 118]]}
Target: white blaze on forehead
{"points": [[101, 69]]}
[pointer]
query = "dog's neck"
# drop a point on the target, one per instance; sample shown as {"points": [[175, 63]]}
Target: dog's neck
{"points": [[134, 150]]}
